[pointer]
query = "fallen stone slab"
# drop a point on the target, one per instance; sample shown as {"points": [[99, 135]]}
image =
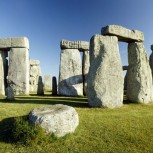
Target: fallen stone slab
{"points": [[57, 119], [123, 33], [80, 45]]}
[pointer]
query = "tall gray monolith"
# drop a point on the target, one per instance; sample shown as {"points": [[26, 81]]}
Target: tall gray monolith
{"points": [[70, 75], [47, 82], [54, 86], [105, 77], [85, 68], [2, 82], [151, 60], [35, 72], [18, 72], [40, 90], [139, 78]]}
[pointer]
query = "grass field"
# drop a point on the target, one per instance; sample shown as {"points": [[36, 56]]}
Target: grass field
{"points": [[128, 129]]}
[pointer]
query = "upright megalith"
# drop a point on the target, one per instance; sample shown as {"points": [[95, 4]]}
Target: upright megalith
{"points": [[105, 78], [70, 75], [123, 33], [35, 72], [139, 78], [151, 60], [2, 82], [40, 89], [85, 69], [47, 82], [54, 86], [18, 72]]}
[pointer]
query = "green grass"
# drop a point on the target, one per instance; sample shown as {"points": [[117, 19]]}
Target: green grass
{"points": [[126, 129]]}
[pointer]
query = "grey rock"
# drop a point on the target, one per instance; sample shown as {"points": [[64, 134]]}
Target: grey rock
{"points": [[123, 33], [70, 75], [2, 87], [54, 86], [40, 90], [105, 77], [47, 82], [18, 72], [35, 72], [57, 119], [34, 62], [9, 93], [21, 42], [139, 78], [85, 67], [80, 45]]}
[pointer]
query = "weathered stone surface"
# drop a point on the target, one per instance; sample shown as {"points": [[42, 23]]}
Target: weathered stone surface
{"points": [[21, 42], [105, 77], [2, 87], [86, 65], [47, 82], [139, 78], [70, 76], [123, 34], [5, 42], [34, 62], [54, 86], [18, 72], [35, 72], [57, 119], [40, 90], [9, 93], [80, 45]]}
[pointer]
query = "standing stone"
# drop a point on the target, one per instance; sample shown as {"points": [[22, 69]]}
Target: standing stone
{"points": [[9, 93], [54, 86], [35, 72], [151, 60], [105, 78], [2, 87], [139, 78], [70, 75], [40, 90], [18, 72], [85, 67], [47, 83]]}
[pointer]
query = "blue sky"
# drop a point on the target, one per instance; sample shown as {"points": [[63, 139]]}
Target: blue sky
{"points": [[46, 22]]}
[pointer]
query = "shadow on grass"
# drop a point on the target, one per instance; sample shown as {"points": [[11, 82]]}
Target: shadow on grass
{"points": [[70, 101], [6, 126]]}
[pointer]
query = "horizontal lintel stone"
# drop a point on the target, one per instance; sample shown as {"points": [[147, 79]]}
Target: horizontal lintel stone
{"points": [[80, 45], [123, 34], [20, 42]]}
